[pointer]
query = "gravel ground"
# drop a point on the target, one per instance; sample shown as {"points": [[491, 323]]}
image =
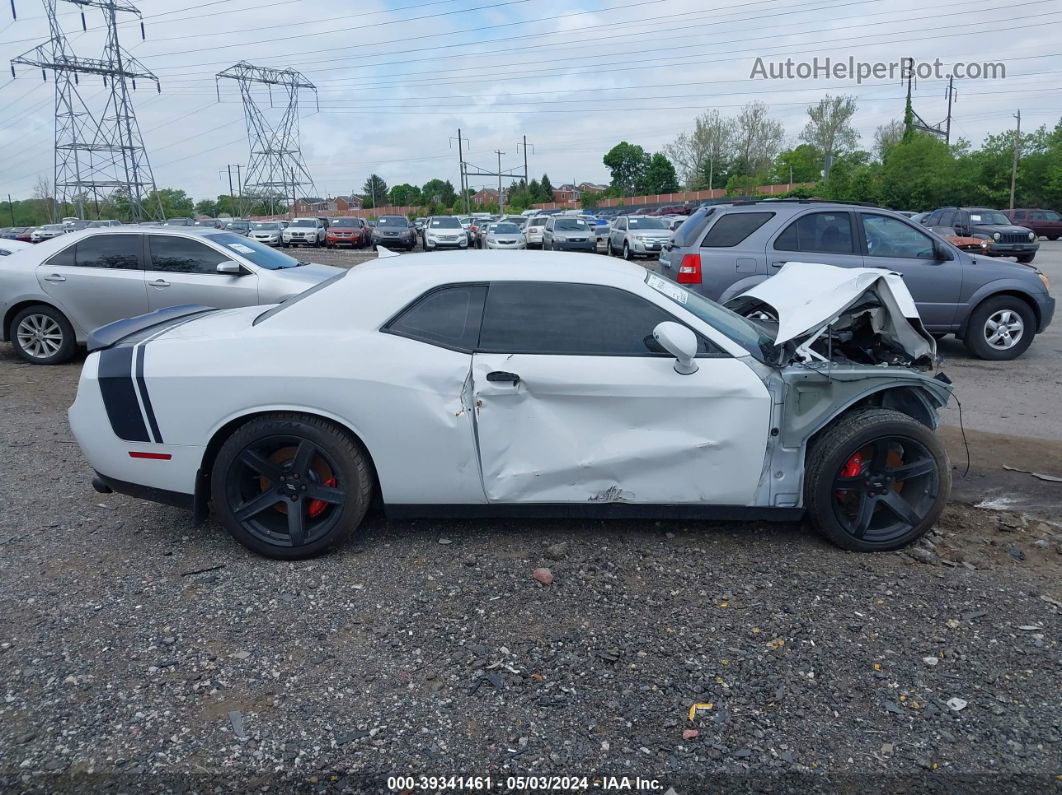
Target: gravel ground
{"points": [[133, 644], [138, 651]]}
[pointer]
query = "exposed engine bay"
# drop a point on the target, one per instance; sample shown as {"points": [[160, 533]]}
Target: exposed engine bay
{"points": [[826, 314]]}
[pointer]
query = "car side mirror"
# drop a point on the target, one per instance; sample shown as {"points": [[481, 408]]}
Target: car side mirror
{"points": [[681, 343], [230, 268]]}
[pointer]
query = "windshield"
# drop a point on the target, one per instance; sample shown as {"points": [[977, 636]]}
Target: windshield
{"points": [[988, 217], [237, 225], [445, 223], [272, 226], [303, 222], [260, 254], [538, 221], [569, 225], [744, 332], [646, 223], [53, 227], [505, 229], [346, 222], [393, 220]]}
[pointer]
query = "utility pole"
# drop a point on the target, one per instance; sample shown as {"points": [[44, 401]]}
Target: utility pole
{"points": [[1014, 163], [951, 96], [501, 201], [463, 169], [232, 197], [239, 187], [11, 207], [524, 145]]}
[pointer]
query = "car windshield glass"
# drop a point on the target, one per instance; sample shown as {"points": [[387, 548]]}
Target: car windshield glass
{"points": [[445, 223], [505, 229], [393, 220], [539, 221], [988, 217], [346, 222], [569, 225], [303, 222], [647, 223], [53, 227], [743, 331], [272, 226], [260, 254]]}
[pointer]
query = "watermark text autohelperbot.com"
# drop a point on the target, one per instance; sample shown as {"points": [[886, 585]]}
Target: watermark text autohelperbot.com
{"points": [[851, 69]]}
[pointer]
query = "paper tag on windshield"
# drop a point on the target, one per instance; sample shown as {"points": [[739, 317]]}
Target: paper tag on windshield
{"points": [[672, 291], [240, 247]]}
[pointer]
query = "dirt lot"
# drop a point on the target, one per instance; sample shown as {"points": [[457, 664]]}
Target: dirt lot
{"points": [[133, 645]]}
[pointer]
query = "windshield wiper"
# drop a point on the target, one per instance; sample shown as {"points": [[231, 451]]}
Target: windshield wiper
{"points": [[302, 262]]}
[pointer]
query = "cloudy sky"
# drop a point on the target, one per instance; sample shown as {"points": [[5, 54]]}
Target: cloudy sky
{"points": [[397, 78]]}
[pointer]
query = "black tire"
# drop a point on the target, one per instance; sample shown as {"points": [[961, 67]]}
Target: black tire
{"points": [[33, 334], [258, 472], [876, 510], [1025, 259], [993, 309], [627, 255]]}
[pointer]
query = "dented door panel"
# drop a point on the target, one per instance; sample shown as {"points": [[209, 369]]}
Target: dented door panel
{"points": [[619, 429]]}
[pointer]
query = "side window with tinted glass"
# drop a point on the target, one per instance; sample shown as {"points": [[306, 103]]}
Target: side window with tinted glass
{"points": [[890, 237], [62, 259], [820, 233], [570, 319], [181, 255], [733, 228], [448, 316], [109, 251], [947, 218]]}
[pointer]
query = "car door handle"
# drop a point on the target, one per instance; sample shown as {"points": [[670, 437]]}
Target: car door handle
{"points": [[160, 283], [501, 375], [55, 277], [777, 264]]}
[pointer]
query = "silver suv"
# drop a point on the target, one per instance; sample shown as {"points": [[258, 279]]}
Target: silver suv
{"points": [[638, 236], [995, 307]]}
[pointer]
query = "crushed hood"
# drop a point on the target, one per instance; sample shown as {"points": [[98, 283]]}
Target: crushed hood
{"points": [[867, 312]]}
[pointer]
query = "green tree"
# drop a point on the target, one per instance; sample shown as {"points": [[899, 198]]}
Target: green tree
{"points": [[800, 164], [373, 191], [405, 195], [829, 129], [207, 207], [439, 193], [921, 174], [659, 176], [545, 189], [627, 163]]}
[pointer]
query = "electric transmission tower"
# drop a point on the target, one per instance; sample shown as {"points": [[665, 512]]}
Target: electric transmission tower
{"points": [[276, 170], [96, 156]]}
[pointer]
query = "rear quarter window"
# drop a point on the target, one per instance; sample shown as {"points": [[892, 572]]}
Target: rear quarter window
{"points": [[734, 228]]}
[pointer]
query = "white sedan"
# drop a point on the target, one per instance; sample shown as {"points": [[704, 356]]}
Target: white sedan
{"points": [[522, 384]]}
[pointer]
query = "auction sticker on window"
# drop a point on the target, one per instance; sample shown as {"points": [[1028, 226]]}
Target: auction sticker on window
{"points": [[240, 247], [671, 290]]}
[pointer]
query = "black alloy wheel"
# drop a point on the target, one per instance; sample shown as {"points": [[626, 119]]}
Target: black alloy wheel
{"points": [[290, 486], [876, 480]]}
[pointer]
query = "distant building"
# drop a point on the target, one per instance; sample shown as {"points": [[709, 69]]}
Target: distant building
{"points": [[485, 196], [592, 187], [566, 193], [313, 205]]}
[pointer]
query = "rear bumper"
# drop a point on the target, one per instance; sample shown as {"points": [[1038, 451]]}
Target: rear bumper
{"points": [[106, 485]]}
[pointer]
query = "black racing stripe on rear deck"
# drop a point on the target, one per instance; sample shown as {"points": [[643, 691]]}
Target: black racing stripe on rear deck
{"points": [[119, 394], [142, 386]]}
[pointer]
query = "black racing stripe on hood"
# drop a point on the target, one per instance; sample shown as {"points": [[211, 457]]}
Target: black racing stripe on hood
{"points": [[119, 394]]}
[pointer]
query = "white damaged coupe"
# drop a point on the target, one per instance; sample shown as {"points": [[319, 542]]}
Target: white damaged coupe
{"points": [[512, 384]]}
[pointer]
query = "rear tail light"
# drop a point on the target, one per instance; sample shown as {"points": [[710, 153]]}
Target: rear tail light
{"points": [[689, 271]]}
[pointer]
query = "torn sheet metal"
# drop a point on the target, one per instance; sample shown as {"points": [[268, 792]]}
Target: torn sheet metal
{"points": [[608, 429], [807, 297]]}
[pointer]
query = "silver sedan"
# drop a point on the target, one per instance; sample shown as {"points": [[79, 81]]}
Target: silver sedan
{"points": [[54, 294]]}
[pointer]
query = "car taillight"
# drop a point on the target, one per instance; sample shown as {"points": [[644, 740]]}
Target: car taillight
{"points": [[689, 271]]}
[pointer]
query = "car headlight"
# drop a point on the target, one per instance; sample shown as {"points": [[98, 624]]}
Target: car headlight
{"points": [[984, 244], [1032, 236], [996, 236]]}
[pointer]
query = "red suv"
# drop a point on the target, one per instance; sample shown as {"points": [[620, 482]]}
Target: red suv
{"points": [[1045, 223], [353, 232]]}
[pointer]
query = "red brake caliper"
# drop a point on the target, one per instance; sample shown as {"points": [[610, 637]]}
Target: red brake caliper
{"points": [[853, 467], [317, 507]]}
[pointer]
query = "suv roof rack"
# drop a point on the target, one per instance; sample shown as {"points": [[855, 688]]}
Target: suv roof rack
{"points": [[744, 202]]}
